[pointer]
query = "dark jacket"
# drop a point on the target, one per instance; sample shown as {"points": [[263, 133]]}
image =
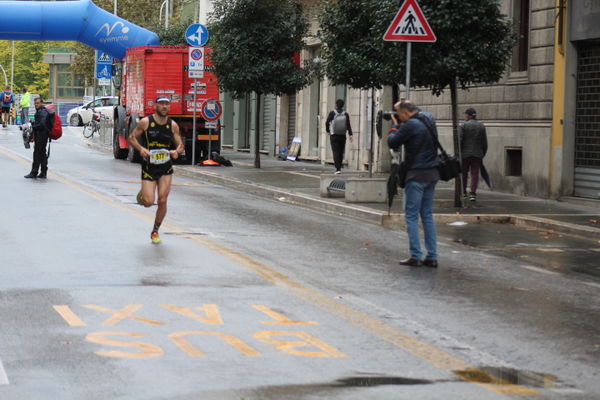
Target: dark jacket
{"points": [[332, 115], [473, 139], [41, 123], [413, 134]]}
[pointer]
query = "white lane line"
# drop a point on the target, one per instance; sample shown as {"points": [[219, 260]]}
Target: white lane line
{"points": [[537, 269], [3, 377]]}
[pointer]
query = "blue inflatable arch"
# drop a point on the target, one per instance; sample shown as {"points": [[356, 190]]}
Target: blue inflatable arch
{"points": [[81, 20]]}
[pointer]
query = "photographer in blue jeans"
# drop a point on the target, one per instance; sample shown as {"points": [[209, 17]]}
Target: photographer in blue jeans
{"points": [[420, 153]]}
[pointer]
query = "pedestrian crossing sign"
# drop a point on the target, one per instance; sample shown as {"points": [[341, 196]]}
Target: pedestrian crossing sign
{"points": [[409, 25]]}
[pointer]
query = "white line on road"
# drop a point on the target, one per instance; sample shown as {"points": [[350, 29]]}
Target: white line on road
{"points": [[3, 377], [537, 269]]}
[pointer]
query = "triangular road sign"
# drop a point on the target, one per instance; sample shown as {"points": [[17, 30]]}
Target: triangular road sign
{"points": [[410, 25]]}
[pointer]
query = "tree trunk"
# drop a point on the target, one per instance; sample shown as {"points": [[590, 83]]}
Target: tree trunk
{"points": [[257, 133], [457, 181]]}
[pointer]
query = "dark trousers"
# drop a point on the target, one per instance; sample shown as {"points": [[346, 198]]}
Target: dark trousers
{"points": [[472, 164], [40, 157], [338, 146]]}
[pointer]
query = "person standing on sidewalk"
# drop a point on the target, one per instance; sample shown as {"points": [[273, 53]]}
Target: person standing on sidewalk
{"points": [[473, 147], [25, 102], [154, 137], [337, 125], [7, 99], [41, 131], [416, 134]]}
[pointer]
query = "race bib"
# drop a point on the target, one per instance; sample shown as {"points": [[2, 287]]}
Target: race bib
{"points": [[159, 156]]}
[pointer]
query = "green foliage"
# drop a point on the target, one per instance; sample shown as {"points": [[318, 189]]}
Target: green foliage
{"points": [[254, 42], [354, 52], [174, 35], [474, 44], [29, 70]]}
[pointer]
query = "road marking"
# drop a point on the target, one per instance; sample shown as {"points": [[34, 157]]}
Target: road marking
{"points": [[280, 319], [3, 377], [537, 269], [425, 351], [68, 315]]}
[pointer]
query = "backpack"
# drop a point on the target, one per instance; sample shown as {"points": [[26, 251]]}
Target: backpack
{"points": [[338, 124], [6, 98], [55, 125]]}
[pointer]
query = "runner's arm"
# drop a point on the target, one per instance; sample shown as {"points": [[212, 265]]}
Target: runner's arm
{"points": [[178, 142], [141, 127]]}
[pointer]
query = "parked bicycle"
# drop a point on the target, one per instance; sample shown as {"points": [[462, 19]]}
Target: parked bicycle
{"points": [[93, 126]]}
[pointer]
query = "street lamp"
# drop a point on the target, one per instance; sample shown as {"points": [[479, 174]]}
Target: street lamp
{"points": [[5, 77]]}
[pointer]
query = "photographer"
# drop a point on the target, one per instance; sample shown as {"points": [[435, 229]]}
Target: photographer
{"points": [[422, 161]]}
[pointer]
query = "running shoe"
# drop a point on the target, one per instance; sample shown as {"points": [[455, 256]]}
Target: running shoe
{"points": [[140, 198], [155, 237]]}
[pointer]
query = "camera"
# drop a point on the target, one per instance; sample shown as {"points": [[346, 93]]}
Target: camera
{"points": [[387, 115]]}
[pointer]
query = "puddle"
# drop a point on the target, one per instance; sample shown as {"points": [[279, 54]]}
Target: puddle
{"points": [[466, 242], [362, 381], [508, 376]]}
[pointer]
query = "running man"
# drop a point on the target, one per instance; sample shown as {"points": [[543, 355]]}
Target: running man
{"points": [[154, 137]]}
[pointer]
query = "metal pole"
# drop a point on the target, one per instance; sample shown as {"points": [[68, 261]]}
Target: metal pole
{"points": [[12, 67], [167, 14], [371, 106], [408, 51], [194, 126]]}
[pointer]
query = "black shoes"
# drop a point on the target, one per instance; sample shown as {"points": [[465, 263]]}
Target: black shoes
{"points": [[31, 175], [42, 175], [413, 262]]}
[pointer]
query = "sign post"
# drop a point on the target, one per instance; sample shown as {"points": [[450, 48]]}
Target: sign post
{"points": [[196, 35], [211, 112], [409, 25]]}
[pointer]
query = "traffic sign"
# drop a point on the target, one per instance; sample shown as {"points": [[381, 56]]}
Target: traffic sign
{"points": [[196, 62], [103, 65], [196, 35], [211, 110], [409, 25]]}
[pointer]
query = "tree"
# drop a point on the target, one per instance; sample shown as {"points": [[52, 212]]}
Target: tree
{"points": [[142, 13], [254, 43], [474, 44], [29, 70], [353, 51]]}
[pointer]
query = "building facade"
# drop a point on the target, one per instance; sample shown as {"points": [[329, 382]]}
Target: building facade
{"points": [[542, 117]]}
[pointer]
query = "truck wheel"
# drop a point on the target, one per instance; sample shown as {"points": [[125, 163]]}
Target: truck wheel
{"points": [[119, 153], [133, 155]]}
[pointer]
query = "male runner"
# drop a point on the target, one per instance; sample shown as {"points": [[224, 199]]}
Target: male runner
{"points": [[154, 137]]}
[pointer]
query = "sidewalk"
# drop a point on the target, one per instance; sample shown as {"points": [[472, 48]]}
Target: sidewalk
{"points": [[298, 183]]}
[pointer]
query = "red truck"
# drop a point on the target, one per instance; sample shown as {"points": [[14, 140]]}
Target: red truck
{"points": [[152, 71]]}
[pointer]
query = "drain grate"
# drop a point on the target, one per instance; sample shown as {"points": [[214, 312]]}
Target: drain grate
{"points": [[337, 185]]}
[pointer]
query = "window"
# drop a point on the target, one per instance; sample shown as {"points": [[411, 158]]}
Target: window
{"points": [[68, 84], [520, 60], [514, 161]]}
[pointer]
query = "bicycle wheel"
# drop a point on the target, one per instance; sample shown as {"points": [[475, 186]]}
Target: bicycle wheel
{"points": [[89, 129]]}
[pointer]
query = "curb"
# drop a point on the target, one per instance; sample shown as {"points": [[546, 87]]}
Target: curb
{"points": [[393, 221]]}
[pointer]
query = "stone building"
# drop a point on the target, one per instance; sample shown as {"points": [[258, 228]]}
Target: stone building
{"points": [[542, 117]]}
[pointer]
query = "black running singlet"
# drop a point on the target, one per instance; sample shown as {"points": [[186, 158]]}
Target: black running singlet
{"points": [[158, 139]]}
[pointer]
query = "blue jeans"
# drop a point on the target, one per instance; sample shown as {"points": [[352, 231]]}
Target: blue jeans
{"points": [[418, 200]]}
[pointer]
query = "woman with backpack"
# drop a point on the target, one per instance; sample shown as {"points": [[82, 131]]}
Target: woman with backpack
{"points": [[337, 125]]}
